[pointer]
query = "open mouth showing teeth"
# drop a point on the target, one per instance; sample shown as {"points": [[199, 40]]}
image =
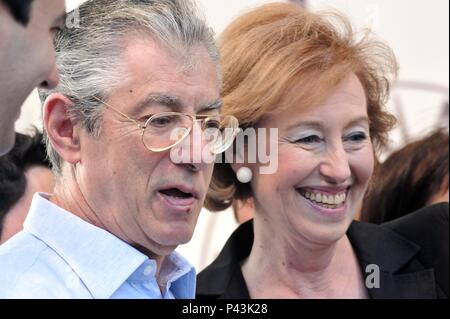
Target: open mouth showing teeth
{"points": [[324, 200], [175, 192]]}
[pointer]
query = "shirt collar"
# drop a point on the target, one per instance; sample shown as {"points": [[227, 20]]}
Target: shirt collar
{"points": [[101, 260], [177, 275]]}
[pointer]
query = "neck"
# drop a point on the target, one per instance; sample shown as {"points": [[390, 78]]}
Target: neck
{"points": [[69, 197], [297, 268]]}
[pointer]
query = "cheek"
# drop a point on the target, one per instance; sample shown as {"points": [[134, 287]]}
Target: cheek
{"points": [[297, 164], [294, 166], [363, 165]]}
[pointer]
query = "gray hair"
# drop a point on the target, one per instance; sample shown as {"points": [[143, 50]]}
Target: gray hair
{"points": [[88, 56]]}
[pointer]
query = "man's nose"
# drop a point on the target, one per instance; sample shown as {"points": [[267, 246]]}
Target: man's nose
{"points": [[51, 80], [194, 150]]}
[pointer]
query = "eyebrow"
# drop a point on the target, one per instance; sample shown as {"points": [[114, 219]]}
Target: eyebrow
{"points": [[174, 103], [306, 124], [318, 125], [211, 106], [359, 120]]}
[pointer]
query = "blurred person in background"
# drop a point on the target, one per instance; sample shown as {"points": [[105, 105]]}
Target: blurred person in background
{"points": [[413, 177], [27, 57], [25, 170]]}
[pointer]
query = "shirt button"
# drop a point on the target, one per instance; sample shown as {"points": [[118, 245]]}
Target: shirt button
{"points": [[148, 271]]}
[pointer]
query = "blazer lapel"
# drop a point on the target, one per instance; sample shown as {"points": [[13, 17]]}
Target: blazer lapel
{"points": [[382, 252], [417, 285]]}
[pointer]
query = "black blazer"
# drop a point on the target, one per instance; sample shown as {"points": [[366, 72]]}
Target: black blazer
{"points": [[411, 252]]}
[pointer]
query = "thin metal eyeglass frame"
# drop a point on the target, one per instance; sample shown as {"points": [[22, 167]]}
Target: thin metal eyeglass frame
{"points": [[194, 118]]}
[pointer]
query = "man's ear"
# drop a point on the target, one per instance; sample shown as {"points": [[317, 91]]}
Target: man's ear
{"points": [[62, 132]]}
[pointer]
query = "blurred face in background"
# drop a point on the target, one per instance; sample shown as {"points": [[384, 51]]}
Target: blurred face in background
{"points": [[27, 60], [39, 179]]}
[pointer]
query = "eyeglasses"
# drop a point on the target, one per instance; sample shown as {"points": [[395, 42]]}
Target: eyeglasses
{"points": [[165, 130]]}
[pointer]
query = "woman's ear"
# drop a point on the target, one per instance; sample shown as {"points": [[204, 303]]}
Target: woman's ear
{"points": [[238, 158], [62, 131], [236, 166], [242, 165], [244, 153]]}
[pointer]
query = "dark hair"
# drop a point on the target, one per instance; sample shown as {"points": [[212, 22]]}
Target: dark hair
{"points": [[20, 9], [408, 179], [27, 151]]}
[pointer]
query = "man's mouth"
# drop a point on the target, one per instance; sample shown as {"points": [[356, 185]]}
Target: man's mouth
{"points": [[329, 200], [176, 193], [179, 198]]}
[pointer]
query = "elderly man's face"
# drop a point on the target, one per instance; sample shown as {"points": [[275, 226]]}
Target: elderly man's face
{"points": [[135, 193], [27, 59]]}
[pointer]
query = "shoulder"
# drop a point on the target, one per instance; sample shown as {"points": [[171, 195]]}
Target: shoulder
{"points": [[427, 226], [223, 277], [31, 269], [429, 229], [411, 253]]}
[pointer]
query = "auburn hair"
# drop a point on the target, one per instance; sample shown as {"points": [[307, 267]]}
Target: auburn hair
{"points": [[268, 50]]}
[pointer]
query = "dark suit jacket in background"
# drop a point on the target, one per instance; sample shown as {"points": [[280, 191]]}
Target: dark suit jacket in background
{"points": [[411, 252]]}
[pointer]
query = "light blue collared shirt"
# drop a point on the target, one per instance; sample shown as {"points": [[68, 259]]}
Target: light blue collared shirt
{"points": [[59, 255]]}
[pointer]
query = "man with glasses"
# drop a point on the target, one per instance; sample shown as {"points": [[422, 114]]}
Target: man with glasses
{"points": [[27, 57], [139, 86]]}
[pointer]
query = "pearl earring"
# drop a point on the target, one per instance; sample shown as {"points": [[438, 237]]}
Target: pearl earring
{"points": [[244, 175]]}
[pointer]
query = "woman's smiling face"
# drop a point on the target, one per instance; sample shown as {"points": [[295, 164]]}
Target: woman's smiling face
{"points": [[326, 159]]}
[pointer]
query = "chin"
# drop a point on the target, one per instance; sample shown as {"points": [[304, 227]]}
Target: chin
{"points": [[174, 235], [321, 233]]}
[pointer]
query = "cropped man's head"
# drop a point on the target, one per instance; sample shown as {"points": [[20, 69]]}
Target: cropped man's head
{"points": [[128, 61], [27, 57]]}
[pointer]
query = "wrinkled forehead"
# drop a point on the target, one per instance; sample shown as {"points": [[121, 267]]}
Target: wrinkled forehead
{"points": [[150, 69], [183, 60], [304, 97]]}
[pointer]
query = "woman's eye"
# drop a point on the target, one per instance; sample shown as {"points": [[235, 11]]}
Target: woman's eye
{"points": [[211, 123], [312, 139], [356, 137]]}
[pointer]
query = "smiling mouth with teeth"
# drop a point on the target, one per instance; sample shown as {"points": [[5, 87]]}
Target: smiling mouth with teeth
{"points": [[325, 200]]}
